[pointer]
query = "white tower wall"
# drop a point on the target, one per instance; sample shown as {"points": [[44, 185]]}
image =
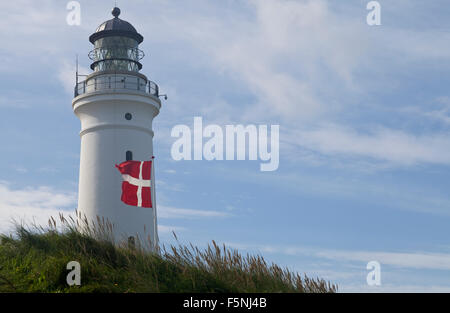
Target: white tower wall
{"points": [[106, 136]]}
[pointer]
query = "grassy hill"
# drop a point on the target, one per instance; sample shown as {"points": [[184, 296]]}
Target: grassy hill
{"points": [[35, 259]]}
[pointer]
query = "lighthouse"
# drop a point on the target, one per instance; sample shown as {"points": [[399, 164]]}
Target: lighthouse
{"points": [[116, 105]]}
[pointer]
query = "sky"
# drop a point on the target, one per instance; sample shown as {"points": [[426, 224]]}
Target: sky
{"points": [[363, 111]]}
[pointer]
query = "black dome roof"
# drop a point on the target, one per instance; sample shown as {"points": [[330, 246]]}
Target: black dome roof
{"points": [[116, 27]]}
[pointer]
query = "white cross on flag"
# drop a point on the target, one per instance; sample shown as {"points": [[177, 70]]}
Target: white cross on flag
{"points": [[137, 184]]}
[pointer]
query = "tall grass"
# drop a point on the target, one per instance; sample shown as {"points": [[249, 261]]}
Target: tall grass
{"points": [[34, 259]]}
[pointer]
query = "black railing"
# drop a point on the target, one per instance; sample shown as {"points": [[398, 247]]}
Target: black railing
{"points": [[113, 82]]}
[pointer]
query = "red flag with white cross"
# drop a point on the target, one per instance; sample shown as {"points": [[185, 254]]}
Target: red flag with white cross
{"points": [[137, 184]]}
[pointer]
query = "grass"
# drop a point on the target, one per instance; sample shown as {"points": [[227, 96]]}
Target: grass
{"points": [[34, 259]]}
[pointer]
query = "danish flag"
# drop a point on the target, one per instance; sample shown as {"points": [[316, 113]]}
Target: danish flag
{"points": [[137, 183]]}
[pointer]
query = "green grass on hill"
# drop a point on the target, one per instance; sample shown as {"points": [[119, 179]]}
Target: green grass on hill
{"points": [[35, 260]]}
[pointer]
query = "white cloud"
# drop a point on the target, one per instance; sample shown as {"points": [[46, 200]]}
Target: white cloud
{"points": [[287, 53], [32, 204], [443, 112], [67, 76], [414, 260], [304, 62], [439, 111], [368, 186], [294, 56], [171, 212], [13, 102], [38, 204], [47, 170], [419, 260], [21, 169], [291, 52], [383, 144], [423, 44], [31, 28], [348, 269], [391, 288], [166, 229]]}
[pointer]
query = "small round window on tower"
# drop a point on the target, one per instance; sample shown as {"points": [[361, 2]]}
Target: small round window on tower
{"points": [[128, 116]]}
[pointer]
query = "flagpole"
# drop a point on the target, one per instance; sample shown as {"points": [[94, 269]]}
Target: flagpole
{"points": [[153, 195]]}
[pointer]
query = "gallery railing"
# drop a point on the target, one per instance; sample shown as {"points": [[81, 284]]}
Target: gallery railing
{"points": [[116, 82]]}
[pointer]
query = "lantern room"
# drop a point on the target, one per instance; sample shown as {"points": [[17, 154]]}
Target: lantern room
{"points": [[116, 46]]}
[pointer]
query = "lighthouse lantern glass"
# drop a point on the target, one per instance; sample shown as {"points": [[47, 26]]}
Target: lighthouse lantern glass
{"points": [[116, 53]]}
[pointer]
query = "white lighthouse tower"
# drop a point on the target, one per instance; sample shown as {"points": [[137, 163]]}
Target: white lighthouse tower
{"points": [[116, 105]]}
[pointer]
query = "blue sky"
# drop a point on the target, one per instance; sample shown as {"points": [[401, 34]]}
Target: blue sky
{"points": [[364, 115]]}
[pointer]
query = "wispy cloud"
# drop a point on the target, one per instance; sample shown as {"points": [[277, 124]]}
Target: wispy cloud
{"points": [[171, 212], [380, 143], [167, 229], [67, 77], [414, 260], [292, 55], [391, 288], [366, 186], [443, 113], [21, 169], [32, 204], [280, 55], [303, 61], [12, 103]]}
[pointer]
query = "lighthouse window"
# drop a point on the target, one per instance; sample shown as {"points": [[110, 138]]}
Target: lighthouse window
{"points": [[128, 116], [129, 156]]}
